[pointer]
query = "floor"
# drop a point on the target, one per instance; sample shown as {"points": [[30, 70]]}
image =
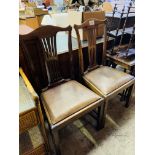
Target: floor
{"points": [[117, 138]]}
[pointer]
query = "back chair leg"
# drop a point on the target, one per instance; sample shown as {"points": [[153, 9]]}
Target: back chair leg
{"points": [[126, 94], [129, 96], [56, 142], [122, 96], [100, 119], [114, 65], [105, 111]]}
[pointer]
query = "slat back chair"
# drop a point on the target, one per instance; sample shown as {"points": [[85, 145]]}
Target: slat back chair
{"points": [[111, 22], [43, 43], [49, 48], [115, 33], [129, 11], [33, 57], [124, 52], [105, 81], [90, 27], [130, 42], [61, 98], [121, 30]]}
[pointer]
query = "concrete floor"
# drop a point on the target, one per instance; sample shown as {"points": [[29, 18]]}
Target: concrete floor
{"points": [[117, 138]]}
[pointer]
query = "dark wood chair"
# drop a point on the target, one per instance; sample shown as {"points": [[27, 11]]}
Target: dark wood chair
{"points": [[103, 80], [64, 99], [124, 56], [123, 29]]}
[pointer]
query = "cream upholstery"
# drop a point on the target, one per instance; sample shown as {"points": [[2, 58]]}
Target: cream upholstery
{"points": [[66, 99], [107, 79]]}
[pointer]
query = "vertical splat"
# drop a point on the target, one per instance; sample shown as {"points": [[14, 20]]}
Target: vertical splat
{"points": [[90, 27], [51, 58], [40, 48], [91, 38]]}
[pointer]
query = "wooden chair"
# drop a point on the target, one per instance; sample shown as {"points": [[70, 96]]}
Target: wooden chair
{"points": [[103, 80], [124, 54], [120, 27], [64, 100]]}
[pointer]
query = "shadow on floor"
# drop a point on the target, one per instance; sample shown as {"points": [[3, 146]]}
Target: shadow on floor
{"points": [[117, 138]]}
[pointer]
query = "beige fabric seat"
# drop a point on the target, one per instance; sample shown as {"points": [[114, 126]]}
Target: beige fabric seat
{"points": [[107, 79], [66, 99]]}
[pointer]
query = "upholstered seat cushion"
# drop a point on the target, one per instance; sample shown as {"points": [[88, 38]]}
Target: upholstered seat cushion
{"points": [[107, 79], [66, 99]]}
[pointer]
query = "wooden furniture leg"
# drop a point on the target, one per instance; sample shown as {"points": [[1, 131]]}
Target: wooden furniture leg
{"points": [[100, 119], [55, 139], [129, 95], [43, 128], [114, 65], [122, 95], [132, 71], [105, 111]]}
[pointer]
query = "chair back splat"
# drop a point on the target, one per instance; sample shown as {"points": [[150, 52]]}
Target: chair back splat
{"points": [[90, 27], [44, 42]]}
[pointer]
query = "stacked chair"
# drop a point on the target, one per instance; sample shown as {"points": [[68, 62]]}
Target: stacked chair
{"points": [[123, 53], [120, 30], [64, 100], [130, 31]]}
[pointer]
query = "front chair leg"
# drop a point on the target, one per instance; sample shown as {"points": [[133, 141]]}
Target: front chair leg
{"points": [[129, 95], [102, 110], [55, 139], [100, 119]]}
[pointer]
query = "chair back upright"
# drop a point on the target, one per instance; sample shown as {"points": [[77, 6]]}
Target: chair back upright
{"points": [[90, 27], [40, 50]]}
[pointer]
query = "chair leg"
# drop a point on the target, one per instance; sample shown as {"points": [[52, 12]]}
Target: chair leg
{"points": [[128, 98], [132, 71], [55, 140], [125, 94], [114, 65], [102, 115], [43, 128], [100, 119], [108, 63], [122, 95]]}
